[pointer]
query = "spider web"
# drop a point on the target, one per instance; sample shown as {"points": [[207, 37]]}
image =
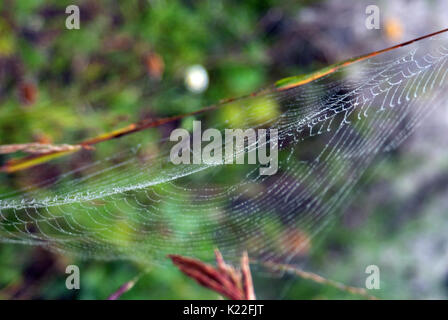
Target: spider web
{"points": [[137, 205]]}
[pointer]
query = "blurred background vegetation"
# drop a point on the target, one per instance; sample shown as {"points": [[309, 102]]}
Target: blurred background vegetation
{"points": [[127, 62]]}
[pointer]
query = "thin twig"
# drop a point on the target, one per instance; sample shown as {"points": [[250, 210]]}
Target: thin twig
{"points": [[248, 286], [37, 148], [319, 279], [125, 287]]}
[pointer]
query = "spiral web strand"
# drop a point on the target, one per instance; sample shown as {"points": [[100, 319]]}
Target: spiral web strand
{"points": [[137, 205]]}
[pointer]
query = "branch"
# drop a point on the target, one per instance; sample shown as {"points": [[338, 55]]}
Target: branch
{"points": [[319, 279]]}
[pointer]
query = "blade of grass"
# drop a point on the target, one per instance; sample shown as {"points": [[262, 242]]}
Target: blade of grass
{"points": [[319, 279], [224, 279], [125, 287]]}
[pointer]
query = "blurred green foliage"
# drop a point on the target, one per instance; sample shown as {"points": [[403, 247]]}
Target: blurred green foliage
{"points": [[127, 63]]}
